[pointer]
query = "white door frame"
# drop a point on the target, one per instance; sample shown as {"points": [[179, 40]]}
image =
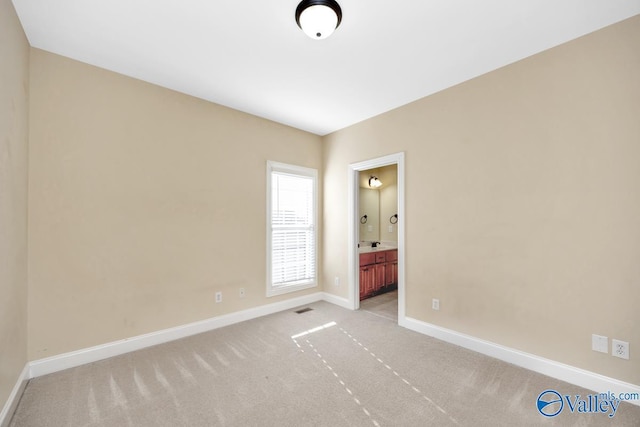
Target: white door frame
{"points": [[354, 279]]}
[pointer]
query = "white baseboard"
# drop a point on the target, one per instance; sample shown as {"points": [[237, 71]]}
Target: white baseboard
{"points": [[336, 300], [12, 402], [580, 377], [116, 348]]}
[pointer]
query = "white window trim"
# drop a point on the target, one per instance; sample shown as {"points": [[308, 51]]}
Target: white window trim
{"points": [[293, 170]]}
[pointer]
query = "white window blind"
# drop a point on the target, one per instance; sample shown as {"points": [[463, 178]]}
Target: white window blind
{"points": [[292, 230]]}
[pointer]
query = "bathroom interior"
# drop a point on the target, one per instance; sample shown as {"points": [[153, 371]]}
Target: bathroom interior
{"points": [[378, 240]]}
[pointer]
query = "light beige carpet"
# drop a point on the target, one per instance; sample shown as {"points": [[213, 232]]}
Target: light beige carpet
{"points": [[342, 368]]}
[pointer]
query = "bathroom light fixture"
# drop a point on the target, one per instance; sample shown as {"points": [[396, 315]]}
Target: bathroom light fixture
{"points": [[318, 18], [374, 182]]}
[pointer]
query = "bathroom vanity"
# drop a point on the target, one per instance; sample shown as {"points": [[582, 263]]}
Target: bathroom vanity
{"points": [[378, 271]]}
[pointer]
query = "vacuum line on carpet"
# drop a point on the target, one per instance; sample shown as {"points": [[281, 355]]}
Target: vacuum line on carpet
{"points": [[404, 380], [335, 374]]}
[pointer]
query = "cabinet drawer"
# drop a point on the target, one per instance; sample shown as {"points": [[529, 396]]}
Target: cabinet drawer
{"points": [[392, 255], [380, 257], [367, 259]]}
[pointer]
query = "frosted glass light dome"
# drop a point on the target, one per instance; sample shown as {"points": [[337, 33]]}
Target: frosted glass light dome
{"points": [[318, 18]]}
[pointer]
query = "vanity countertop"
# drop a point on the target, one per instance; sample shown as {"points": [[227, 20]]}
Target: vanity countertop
{"points": [[368, 249]]}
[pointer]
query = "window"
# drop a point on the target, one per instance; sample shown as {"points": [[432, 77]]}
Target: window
{"points": [[291, 228]]}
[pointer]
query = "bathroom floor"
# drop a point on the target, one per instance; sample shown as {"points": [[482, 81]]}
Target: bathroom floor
{"points": [[383, 305]]}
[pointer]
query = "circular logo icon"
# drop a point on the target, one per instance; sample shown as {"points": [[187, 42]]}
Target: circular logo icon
{"points": [[550, 403]]}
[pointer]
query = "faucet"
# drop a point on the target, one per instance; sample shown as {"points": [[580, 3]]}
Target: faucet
{"points": [[374, 244]]}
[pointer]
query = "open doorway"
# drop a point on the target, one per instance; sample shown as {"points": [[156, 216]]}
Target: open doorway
{"points": [[378, 241], [378, 238]]}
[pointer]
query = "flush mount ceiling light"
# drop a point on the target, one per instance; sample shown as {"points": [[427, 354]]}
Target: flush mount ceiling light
{"points": [[374, 182], [318, 18]]}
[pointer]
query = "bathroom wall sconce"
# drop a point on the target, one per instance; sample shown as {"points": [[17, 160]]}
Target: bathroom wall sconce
{"points": [[393, 219], [363, 219], [374, 182]]}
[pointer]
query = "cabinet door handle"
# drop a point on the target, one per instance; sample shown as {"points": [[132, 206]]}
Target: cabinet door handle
{"points": [[365, 269]]}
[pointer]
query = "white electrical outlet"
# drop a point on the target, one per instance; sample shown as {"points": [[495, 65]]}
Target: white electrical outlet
{"points": [[620, 349], [241, 293], [336, 281], [218, 297], [435, 304], [600, 343]]}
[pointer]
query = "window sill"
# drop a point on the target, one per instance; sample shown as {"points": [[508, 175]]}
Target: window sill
{"points": [[281, 290]]}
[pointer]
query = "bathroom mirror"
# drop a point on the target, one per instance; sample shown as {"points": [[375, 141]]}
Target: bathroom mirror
{"points": [[369, 214], [379, 205]]}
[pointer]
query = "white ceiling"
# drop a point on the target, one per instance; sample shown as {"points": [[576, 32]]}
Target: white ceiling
{"points": [[250, 55]]}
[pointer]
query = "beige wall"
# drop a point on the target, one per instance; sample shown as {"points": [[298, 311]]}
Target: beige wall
{"points": [[522, 201], [143, 203], [14, 97]]}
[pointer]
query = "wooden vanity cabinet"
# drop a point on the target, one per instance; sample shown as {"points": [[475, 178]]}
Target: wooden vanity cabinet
{"points": [[367, 274], [378, 272], [391, 268]]}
